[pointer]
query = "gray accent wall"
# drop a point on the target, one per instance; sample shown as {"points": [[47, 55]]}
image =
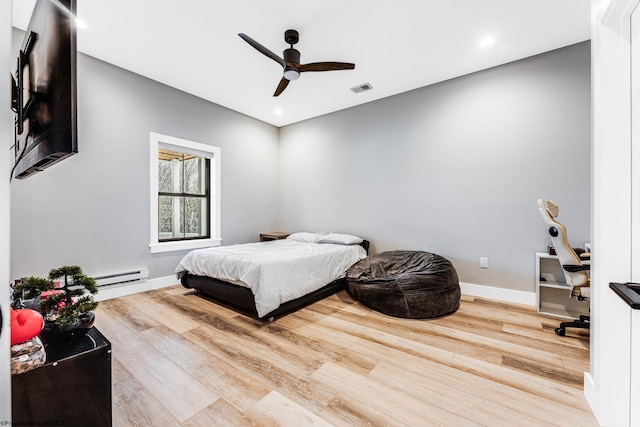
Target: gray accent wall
{"points": [[453, 168], [92, 209]]}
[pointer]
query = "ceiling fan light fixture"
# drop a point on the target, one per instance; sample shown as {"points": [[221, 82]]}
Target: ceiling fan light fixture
{"points": [[291, 73]]}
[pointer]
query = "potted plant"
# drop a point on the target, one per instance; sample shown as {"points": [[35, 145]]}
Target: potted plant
{"points": [[66, 299]]}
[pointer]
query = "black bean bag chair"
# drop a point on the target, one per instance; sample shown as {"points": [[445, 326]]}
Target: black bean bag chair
{"points": [[410, 284]]}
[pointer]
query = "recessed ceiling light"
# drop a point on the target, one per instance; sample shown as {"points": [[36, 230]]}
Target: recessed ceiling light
{"points": [[277, 111], [486, 42]]}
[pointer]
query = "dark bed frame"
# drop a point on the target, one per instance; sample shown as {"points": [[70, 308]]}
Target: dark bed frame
{"points": [[240, 298]]}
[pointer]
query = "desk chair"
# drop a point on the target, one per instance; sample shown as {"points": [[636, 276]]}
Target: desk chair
{"points": [[574, 268]]}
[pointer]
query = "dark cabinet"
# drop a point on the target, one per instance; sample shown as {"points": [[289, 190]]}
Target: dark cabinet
{"points": [[73, 388]]}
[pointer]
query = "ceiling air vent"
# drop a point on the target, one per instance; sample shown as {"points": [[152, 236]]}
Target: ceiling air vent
{"points": [[361, 88]]}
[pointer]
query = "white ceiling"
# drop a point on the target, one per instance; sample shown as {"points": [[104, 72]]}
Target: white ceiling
{"points": [[396, 45]]}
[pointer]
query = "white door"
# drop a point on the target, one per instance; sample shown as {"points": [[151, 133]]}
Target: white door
{"points": [[634, 416], [635, 142]]}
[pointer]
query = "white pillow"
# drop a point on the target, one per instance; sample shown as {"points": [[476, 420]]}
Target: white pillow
{"points": [[341, 239], [306, 237]]}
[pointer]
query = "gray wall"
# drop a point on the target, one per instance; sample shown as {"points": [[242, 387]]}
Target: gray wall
{"points": [[92, 209], [453, 168]]}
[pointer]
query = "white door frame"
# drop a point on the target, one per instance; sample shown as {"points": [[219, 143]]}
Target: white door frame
{"points": [[6, 127]]}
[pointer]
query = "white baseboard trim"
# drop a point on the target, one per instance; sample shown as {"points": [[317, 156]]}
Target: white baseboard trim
{"points": [[500, 294], [591, 395], [130, 289]]}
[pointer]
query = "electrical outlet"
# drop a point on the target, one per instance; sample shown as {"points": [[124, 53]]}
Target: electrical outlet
{"points": [[484, 262]]}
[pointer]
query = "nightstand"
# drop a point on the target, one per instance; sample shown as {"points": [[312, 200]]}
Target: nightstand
{"points": [[273, 235]]}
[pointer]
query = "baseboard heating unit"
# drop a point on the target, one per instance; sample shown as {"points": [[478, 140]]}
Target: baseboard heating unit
{"points": [[125, 278]]}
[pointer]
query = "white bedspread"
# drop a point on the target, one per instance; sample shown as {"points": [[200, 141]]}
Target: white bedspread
{"points": [[277, 271]]}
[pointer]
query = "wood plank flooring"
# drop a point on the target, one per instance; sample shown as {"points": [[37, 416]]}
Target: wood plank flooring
{"points": [[182, 360]]}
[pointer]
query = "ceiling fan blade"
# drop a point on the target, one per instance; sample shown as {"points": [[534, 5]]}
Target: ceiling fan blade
{"points": [[326, 66], [263, 50], [281, 86]]}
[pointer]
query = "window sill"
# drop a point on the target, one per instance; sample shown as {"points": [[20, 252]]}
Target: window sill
{"points": [[183, 245]]}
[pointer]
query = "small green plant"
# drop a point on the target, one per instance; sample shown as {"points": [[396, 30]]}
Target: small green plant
{"points": [[66, 304]]}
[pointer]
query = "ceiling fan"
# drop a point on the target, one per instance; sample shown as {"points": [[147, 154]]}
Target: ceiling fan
{"points": [[291, 62]]}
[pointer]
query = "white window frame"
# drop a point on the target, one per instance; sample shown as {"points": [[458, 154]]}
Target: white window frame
{"points": [[158, 141]]}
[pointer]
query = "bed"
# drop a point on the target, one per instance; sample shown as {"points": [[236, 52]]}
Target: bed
{"points": [[269, 279]]}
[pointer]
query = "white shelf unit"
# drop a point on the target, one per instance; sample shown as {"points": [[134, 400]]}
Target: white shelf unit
{"points": [[553, 294]]}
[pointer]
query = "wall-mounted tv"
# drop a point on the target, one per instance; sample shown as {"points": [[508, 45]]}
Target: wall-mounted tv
{"points": [[44, 89]]}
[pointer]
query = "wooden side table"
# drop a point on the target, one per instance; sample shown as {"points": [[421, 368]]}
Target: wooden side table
{"points": [[273, 235]]}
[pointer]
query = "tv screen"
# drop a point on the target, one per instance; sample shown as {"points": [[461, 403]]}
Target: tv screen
{"points": [[44, 96]]}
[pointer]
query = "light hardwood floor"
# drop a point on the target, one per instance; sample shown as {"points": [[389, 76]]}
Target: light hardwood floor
{"points": [[179, 359]]}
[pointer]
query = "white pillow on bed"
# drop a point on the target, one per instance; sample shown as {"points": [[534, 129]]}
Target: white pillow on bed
{"points": [[341, 239], [306, 237]]}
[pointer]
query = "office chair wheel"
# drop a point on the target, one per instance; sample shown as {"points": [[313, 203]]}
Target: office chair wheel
{"points": [[560, 332]]}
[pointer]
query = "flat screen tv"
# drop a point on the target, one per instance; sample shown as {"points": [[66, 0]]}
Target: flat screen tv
{"points": [[44, 89]]}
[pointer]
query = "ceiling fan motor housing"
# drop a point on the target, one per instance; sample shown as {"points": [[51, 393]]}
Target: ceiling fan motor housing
{"points": [[291, 55]]}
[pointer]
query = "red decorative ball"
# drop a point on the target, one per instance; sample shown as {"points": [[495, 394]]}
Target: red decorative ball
{"points": [[61, 304], [25, 324]]}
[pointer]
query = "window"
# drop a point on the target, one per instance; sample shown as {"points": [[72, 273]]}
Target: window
{"points": [[185, 194]]}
